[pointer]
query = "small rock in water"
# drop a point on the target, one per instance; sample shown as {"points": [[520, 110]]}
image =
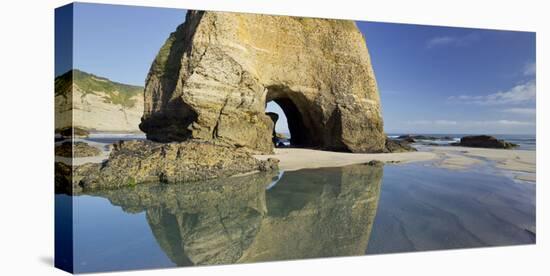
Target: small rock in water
{"points": [[484, 141]]}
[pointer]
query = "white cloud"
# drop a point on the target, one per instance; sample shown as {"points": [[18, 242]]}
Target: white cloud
{"points": [[440, 40], [462, 124], [530, 69], [521, 111], [465, 126], [432, 122], [445, 122], [507, 123], [455, 41], [521, 93]]}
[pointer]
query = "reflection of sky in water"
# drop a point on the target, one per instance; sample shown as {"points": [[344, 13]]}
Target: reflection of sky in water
{"points": [[442, 209], [309, 213], [107, 238], [275, 181]]}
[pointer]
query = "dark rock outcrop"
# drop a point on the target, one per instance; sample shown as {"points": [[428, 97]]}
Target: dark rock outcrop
{"points": [[412, 138], [133, 162], [64, 183], [214, 75], [274, 118], [76, 149], [484, 141], [71, 132], [396, 145]]}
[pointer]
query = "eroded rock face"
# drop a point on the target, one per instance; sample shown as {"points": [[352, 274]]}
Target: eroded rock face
{"points": [[212, 78], [274, 118]]}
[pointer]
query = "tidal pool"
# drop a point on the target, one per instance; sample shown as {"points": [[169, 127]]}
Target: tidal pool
{"points": [[346, 211]]}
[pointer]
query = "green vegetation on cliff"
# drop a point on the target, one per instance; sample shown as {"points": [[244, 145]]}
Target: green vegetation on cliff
{"points": [[112, 92]]}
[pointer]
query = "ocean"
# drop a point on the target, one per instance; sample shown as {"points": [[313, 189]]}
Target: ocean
{"points": [[525, 142]]}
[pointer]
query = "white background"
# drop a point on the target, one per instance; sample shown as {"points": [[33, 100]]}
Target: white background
{"points": [[27, 110]]}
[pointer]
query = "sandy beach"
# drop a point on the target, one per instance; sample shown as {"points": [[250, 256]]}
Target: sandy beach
{"points": [[292, 159], [520, 163]]}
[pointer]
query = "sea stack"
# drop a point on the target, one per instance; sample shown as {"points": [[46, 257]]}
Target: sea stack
{"points": [[214, 75]]}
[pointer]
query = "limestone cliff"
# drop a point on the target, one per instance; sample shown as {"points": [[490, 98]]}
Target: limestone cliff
{"points": [[214, 75], [93, 103]]}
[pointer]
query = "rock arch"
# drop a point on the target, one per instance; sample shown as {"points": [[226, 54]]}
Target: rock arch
{"points": [[214, 75], [303, 130]]}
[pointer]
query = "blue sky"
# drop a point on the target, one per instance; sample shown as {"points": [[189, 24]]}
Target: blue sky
{"points": [[453, 80], [431, 79], [120, 42]]}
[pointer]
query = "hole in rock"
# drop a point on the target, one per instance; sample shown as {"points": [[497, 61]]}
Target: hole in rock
{"points": [[281, 133], [292, 128]]}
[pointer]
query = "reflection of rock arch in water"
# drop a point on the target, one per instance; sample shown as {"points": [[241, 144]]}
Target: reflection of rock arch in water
{"points": [[308, 214]]}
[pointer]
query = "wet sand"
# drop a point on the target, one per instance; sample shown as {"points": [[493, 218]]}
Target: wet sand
{"points": [[520, 162], [292, 159]]}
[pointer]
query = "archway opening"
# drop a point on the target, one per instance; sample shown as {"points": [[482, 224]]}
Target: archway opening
{"points": [[291, 120], [281, 133]]}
